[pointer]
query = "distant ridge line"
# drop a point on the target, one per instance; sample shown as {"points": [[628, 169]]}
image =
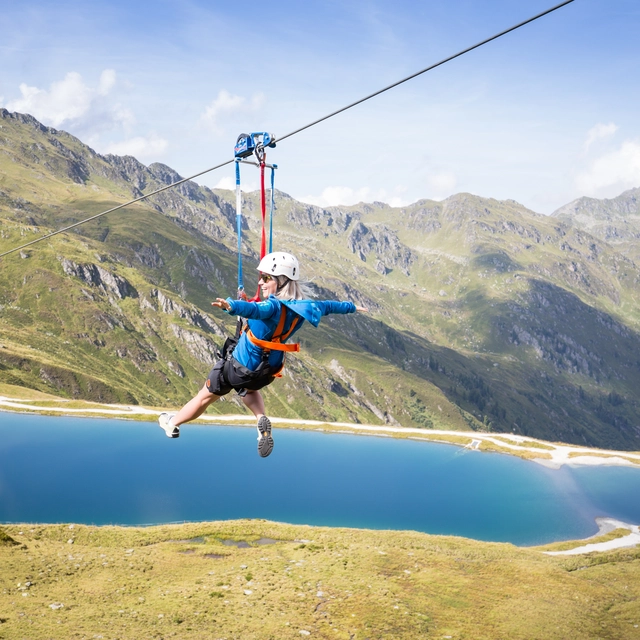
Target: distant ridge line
{"points": [[296, 131]]}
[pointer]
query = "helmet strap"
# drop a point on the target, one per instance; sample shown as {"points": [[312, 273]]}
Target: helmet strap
{"points": [[283, 285]]}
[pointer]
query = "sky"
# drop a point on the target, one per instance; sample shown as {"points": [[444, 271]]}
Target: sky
{"points": [[544, 115]]}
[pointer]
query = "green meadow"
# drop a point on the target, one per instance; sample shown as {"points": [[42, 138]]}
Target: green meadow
{"points": [[263, 580]]}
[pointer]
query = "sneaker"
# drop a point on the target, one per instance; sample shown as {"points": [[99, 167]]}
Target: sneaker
{"points": [[167, 427], [265, 440]]}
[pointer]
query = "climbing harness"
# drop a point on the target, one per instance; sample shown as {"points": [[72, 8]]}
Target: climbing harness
{"points": [[241, 377], [277, 340], [249, 144]]}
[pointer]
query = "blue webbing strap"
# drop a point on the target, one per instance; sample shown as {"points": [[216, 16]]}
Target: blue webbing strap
{"points": [[239, 226], [273, 173]]}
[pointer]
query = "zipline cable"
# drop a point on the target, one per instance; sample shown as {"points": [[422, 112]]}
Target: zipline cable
{"points": [[295, 131]]}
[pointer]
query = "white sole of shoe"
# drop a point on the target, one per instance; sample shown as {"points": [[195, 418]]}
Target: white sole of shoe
{"points": [[170, 430]]}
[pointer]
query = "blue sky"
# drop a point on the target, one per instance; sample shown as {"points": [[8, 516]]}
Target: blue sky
{"points": [[544, 115]]}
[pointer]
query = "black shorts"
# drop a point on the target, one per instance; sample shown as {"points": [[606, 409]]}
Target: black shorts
{"points": [[228, 375]]}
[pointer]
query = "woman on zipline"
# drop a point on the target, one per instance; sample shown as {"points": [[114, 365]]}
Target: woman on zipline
{"points": [[258, 356]]}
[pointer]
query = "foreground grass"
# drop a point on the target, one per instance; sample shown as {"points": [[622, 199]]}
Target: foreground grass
{"points": [[183, 581]]}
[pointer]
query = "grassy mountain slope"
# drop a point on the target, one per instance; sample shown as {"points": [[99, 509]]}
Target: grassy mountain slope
{"points": [[523, 322], [484, 315]]}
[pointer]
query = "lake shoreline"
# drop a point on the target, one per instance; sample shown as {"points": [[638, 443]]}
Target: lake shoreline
{"points": [[466, 441], [549, 454], [605, 525]]}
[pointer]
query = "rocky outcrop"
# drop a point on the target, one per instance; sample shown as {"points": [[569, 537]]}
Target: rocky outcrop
{"points": [[615, 220], [99, 277], [25, 118], [588, 211], [167, 175], [205, 270], [176, 368], [332, 220], [130, 170], [193, 316], [383, 243], [197, 345]]}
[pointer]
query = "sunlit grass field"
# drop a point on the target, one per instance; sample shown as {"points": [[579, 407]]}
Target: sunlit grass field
{"points": [[282, 581]]}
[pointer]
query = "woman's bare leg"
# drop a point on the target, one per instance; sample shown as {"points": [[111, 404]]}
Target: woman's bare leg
{"points": [[254, 402], [195, 407]]}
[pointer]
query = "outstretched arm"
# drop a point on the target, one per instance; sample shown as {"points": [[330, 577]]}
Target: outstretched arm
{"points": [[333, 306], [254, 310]]}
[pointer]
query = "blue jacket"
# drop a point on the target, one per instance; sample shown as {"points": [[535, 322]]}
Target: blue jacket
{"points": [[263, 320]]}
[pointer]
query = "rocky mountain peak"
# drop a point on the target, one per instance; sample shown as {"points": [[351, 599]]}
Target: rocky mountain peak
{"points": [[586, 209]]}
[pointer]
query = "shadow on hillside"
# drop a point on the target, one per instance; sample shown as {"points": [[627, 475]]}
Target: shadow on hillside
{"points": [[577, 365], [556, 369]]}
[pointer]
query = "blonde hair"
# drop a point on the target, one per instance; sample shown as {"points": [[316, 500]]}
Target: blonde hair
{"points": [[292, 289]]}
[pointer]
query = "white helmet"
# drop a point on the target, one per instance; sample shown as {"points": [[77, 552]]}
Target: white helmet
{"points": [[280, 263]]}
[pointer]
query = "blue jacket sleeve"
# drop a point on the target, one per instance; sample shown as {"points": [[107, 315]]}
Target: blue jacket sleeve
{"points": [[254, 310], [333, 306]]}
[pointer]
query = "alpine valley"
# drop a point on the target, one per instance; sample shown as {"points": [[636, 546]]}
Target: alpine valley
{"points": [[483, 315]]}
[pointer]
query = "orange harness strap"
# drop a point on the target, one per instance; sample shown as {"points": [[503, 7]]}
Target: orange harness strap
{"points": [[277, 341], [272, 346]]}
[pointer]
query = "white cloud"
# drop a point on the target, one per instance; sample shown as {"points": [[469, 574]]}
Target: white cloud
{"points": [[397, 201], [122, 116], [107, 81], [229, 182], [334, 196], [149, 147], [599, 132], [346, 196], [441, 185], [91, 113], [226, 106], [65, 101], [226, 183], [613, 172]]}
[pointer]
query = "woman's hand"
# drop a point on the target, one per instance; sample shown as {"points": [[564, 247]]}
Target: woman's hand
{"points": [[221, 303], [362, 309]]}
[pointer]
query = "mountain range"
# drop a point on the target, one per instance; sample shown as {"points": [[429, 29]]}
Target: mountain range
{"points": [[483, 315]]}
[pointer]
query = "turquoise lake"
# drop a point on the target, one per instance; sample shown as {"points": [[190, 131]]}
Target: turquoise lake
{"points": [[118, 472]]}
